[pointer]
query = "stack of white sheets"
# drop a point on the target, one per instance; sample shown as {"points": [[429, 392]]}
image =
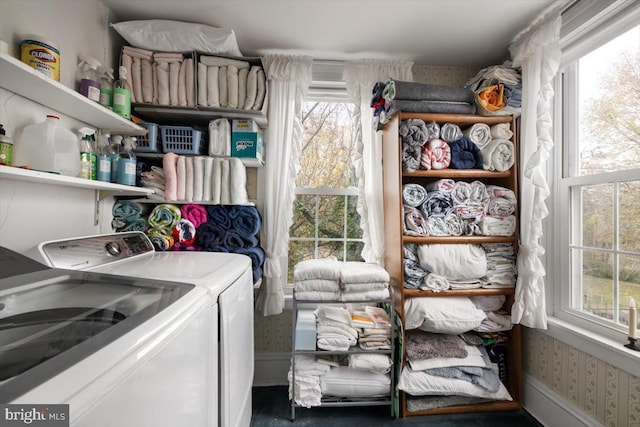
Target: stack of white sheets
{"points": [[333, 329], [307, 380]]}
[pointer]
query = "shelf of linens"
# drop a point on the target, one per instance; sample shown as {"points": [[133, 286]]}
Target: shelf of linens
{"points": [[418, 293], [248, 162], [105, 188], [186, 202], [458, 239], [458, 119], [25, 81], [172, 115]]}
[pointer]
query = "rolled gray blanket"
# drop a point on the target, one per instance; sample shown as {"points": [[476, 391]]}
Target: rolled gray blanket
{"points": [[413, 132], [433, 129], [411, 157], [395, 89], [450, 132], [414, 195], [438, 204]]}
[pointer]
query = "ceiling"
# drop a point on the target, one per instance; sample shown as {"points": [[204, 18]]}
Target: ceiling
{"points": [[466, 33]]}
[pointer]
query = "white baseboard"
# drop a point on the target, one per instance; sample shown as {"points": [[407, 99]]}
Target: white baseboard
{"points": [[551, 409], [271, 369]]}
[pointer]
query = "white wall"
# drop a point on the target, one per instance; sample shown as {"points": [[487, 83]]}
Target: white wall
{"points": [[32, 213]]}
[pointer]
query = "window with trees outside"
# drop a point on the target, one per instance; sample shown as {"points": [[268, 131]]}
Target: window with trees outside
{"points": [[599, 191], [325, 220]]}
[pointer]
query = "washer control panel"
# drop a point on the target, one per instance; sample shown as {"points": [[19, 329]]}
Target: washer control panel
{"points": [[86, 252]]}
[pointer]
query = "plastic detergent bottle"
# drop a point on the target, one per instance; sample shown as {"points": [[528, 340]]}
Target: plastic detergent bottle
{"points": [[122, 94], [48, 147], [127, 163], [114, 155], [89, 78], [6, 148], [106, 87], [103, 160], [87, 154]]}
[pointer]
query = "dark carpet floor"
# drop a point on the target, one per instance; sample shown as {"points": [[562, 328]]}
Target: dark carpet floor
{"points": [[272, 408]]}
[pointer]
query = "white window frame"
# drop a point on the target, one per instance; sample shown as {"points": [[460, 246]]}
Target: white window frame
{"points": [[583, 30]]}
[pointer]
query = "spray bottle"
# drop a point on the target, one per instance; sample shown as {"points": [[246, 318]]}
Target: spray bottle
{"points": [[103, 160], [122, 94], [127, 163], [106, 87], [87, 154], [89, 78], [114, 155]]}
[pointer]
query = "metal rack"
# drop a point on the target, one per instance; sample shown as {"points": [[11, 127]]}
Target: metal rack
{"points": [[333, 401]]}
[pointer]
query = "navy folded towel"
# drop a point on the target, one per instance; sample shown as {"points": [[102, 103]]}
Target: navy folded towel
{"points": [[257, 256], [465, 155], [210, 235], [219, 215], [246, 220]]}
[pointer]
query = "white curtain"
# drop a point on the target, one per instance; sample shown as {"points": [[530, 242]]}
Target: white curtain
{"points": [[288, 80], [360, 76], [537, 52]]}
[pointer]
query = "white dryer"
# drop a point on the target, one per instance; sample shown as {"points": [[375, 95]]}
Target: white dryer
{"points": [[227, 280]]}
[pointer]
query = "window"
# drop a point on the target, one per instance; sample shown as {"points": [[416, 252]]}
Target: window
{"points": [[599, 187], [325, 220]]}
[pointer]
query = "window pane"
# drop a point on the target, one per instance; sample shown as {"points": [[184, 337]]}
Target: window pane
{"points": [[327, 146], [629, 284], [353, 219], [629, 222], [597, 216], [331, 217], [331, 248], [304, 217], [354, 249], [597, 284], [299, 251], [609, 94]]}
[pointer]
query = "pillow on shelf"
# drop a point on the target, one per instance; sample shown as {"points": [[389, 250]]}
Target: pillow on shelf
{"points": [[162, 35], [445, 315]]}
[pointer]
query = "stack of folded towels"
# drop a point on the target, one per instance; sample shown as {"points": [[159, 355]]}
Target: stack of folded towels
{"points": [[333, 329], [154, 180], [230, 83], [159, 78], [393, 95], [307, 380], [328, 279], [205, 179]]}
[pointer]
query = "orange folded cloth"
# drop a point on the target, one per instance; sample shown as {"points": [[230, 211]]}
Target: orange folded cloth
{"points": [[492, 98]]}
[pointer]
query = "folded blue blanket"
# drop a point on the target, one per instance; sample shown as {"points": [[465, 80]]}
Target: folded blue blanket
{"points": [[465, 155], [233, 240], [210, 235], [219, 215], [128, 209], [246, 220], [257, 256]]}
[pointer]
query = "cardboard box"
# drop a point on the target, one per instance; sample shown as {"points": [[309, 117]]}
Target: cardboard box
{"points": [[246, 125], [247, 145]]}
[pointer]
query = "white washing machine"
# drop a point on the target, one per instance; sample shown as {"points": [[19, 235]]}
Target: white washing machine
{"points": [[136, 391]]}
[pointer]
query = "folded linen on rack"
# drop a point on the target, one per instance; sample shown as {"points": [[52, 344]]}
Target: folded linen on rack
{"points": [[210, 237], [414, 195], [438, 204], [362, 272], [319, 285], [413, 274], [501, 131], [415, 222], [493, 226], [308, 392], [197, 214], [436, 154], [321, 268], [169, 166], [450, 132], [344, 381], [455, 262], [395, 89], [498, 155], [444, 185], [434, 282], [478, 133], [380, 363], [161, 238], [413, 132], [372, 295], [502, 201], [165, 216], [411, 155]]}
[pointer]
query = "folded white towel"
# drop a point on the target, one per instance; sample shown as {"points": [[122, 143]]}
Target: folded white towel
{"points": [[331, 313], [147, 81], [222, 87], [198, 178], [321, 268], [242, 86], [317, 296], [174, 83], [206, 179], [167, 57], [220, 62], [374, 295], [188, 192], [216, 180], [181, 181], [213, 93], [371, 362], [232, 86], [498, 155], [136, 52], [478, 133], [317, 285], [363, 287], [252, 87], [331, 343], [202, 85], [325, 330], [434, 282], [225, 196], [362, 272], [501, 131], [237, 182], [182, 85], [163, 83], [310, 363], [346, 329], [261, 89]]}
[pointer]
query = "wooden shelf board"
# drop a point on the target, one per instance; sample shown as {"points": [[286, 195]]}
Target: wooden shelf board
{"points": [[459, 119]]}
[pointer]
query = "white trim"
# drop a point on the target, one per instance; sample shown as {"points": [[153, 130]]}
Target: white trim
{"points": [[551, 409], [608, 350], [271, 369]]}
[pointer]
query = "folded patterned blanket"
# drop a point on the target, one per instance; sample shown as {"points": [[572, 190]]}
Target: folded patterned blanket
{"points": [[498, 155], [413, 195], [436, 226], [492, 226], [436, 154], [411, 155], [433, 129], [465, 155], [415, 223], [161, 238], [426, 345], [128, 210], [395, 89], [413, 274], [502, 201], [165, 216], [445, 185], [413, 132], [438, 203]]}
